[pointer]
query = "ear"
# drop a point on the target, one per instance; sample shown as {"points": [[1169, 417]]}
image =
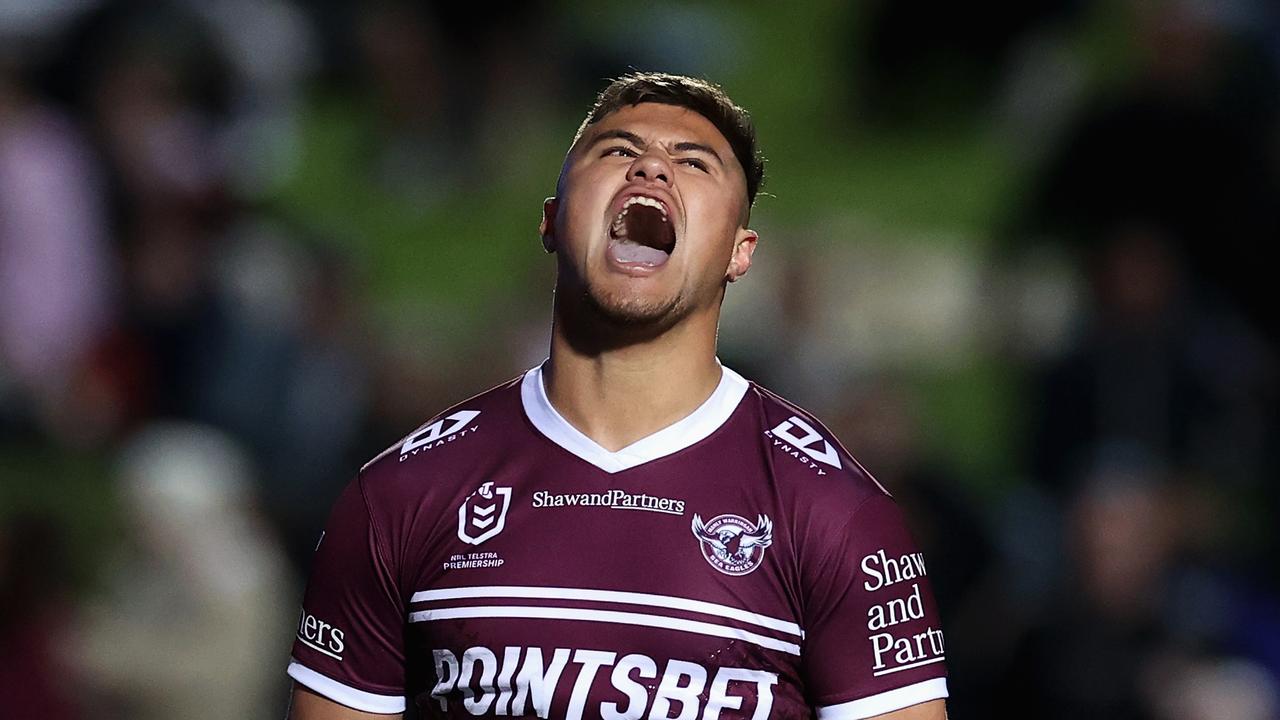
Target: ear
{"points": [[744, 244], [547, 228]]}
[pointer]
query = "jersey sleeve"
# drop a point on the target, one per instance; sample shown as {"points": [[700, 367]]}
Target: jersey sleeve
{"points": [[872, 638], [349, 644]]}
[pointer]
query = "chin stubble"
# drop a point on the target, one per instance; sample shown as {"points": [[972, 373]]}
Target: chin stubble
{"points": [[635, 312]]}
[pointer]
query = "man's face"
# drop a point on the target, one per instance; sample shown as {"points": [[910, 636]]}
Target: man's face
{"points": [[649, 220]]}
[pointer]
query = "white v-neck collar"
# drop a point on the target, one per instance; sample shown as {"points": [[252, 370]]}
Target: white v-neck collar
{"points": [[695, 426]]}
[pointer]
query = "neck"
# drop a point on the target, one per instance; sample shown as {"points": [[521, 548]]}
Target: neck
{"points": [[619, 392]]}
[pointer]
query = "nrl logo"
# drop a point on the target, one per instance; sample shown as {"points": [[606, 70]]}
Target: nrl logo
{"points": [[731, 544], [483, 514]]}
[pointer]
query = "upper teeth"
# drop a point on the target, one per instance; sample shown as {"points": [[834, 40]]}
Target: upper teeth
{"points": [[638, 200], [642, 200]]}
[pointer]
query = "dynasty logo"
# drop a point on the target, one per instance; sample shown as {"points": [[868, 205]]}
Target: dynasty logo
{"points": [[440, 432], [807, 441]]}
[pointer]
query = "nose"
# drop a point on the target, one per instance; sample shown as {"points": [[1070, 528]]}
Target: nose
{"points": [[651, 167]]}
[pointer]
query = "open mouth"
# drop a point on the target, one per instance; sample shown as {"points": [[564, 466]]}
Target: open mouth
{"points": [[641, 233]]}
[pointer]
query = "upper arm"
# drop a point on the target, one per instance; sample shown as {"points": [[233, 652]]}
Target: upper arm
{"points": [[873, 645], [349, 644], [307, 705], [932, 710]]}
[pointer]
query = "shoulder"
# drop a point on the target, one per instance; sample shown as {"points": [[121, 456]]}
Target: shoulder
{"points": [[808, 457], [450, 441]]}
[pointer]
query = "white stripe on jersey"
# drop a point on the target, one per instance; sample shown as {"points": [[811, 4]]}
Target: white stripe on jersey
{"points": [[610, 596], [886, 702], [343, 693], [607, 616]]}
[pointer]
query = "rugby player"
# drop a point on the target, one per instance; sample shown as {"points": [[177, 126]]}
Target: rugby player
{"points": [[629, 530]]}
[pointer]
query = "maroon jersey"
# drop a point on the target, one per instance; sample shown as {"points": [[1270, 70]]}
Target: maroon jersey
{"points": [[737, 564]]}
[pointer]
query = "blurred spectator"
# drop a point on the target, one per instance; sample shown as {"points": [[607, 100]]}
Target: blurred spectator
{"points": [[1190, 143], [193, 608], [1212, 689], [57, 280], [398, 147], [229, 319], [921, 60], [34, 600], [1153, 369], [291, 378], [1122, 640], [1082, 657]]}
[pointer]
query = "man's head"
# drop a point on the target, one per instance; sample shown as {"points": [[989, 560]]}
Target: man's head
{"points": [[700, 96], [650, 217]]}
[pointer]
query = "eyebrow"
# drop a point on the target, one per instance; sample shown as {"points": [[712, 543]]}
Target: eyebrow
{"points": [[634, 139], [698, 147]]}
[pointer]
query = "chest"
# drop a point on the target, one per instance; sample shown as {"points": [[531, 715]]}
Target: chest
{"points": [[575, 593]]}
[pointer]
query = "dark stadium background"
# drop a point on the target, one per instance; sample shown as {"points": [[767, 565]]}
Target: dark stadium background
{"points": [[1021, 262]]}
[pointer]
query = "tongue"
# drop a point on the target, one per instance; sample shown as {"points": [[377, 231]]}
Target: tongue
{"points": [[630, 252], [644, 238]]}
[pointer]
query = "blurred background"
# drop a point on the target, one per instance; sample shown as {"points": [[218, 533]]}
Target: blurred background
{"points": [[1016, 262]]}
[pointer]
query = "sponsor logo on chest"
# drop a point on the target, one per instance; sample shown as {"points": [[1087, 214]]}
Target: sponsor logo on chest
{"points": [[614, 499], [519, 681]]}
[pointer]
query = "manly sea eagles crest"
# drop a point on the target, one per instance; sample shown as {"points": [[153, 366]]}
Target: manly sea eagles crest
{"points": [[731, 544], [483, 514]]}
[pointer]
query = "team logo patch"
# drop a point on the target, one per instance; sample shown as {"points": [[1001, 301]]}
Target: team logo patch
{"points": [[483, 514], [731, 544]]}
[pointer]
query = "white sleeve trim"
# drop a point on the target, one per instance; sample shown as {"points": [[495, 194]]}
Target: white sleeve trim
{"points": [[345, 694], [886, 701]]}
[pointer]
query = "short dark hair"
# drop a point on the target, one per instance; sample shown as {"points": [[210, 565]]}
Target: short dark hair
{"points": [[701, 96]]}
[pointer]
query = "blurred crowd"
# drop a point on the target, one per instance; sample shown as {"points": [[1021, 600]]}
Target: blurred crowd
{"points": [[1015, 262]]}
